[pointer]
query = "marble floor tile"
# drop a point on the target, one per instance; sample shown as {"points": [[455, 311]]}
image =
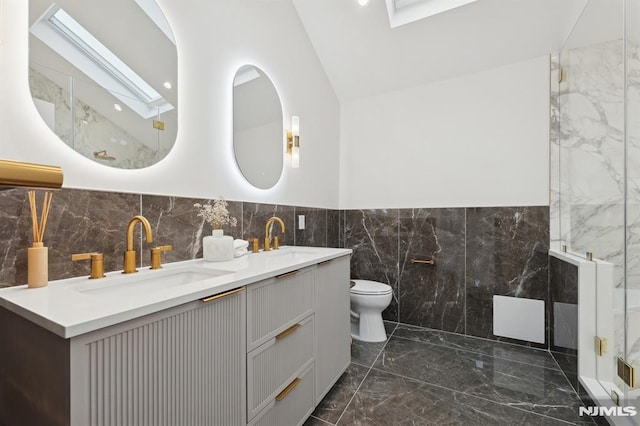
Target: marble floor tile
{"points": [[365, 353], [530, 356], [385, 399], [334, 403], [314, 421], [540, 390]]}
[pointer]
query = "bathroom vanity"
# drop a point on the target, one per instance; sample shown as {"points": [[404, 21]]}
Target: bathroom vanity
{"points": [[258, 340]]}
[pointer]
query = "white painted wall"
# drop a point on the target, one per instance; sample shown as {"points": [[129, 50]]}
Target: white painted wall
{"points": [[477, 140], [214, 39]]}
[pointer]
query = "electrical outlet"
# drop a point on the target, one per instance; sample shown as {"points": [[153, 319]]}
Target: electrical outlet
{"points": [[300, 221]]}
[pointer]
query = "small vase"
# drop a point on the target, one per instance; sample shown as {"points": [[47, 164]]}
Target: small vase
{"points": [[217, 247], [38, 266]]}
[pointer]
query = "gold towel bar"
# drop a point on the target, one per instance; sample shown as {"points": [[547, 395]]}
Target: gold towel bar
{"points": [[424, 262], [221, 295]]}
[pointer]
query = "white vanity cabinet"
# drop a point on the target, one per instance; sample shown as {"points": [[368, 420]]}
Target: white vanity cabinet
{"points": [[180, 366], [184, 365], [262, 350], [332, 320], [298, 340]]}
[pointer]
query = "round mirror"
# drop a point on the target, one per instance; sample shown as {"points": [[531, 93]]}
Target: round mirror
{"points": [[103, 76], [258, 137]]}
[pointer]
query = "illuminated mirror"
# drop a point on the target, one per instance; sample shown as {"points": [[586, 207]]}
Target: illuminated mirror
{"points": [[103, 76], [258, 138]]}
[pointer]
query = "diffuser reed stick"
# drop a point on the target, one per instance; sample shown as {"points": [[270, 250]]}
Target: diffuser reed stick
{"points": [[39, 228], [38, 254]]}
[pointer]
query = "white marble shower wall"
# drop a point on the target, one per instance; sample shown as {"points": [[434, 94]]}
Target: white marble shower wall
{"points": [[587, 153], [588, 160], [90, 131]]}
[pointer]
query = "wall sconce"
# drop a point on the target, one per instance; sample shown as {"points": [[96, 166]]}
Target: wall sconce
{"points": [[293, 142]]}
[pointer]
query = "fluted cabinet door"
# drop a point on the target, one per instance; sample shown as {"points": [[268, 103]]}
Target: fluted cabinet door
{"points": [[182, 366], [333, 327]]}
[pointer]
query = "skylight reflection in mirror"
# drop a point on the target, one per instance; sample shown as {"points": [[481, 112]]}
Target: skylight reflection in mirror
{"points": [[72, 41]]}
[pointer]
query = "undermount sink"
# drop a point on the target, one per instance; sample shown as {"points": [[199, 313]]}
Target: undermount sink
{"points": [[290, 252], [148, 281]]}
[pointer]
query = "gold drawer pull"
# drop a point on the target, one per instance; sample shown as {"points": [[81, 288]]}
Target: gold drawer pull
{"points": [[288, 389], [221, 295], [425, 262], [325, 262], [288, 331], [288, 274]]}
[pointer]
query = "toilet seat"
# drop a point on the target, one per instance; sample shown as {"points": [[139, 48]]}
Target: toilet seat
{"points": [[369, 287]]}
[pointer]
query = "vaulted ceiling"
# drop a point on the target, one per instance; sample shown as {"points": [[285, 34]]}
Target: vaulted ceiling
{"points": [[363, 56]]}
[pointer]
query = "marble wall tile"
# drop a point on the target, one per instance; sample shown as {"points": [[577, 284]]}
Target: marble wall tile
{"points": [[554, 153], [507, 254], [175, 221], [89, 131], [335, 225], [563, 293], [373, 236], [255, 216], [14, 236], [432, 296], [315, 232], [79, 221]]}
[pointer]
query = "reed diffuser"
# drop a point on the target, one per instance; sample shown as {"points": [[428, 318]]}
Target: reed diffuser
{"points": [[38, 254]]}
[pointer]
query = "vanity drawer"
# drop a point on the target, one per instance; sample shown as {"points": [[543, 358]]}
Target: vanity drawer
{"points": [[275, 304], [272, 366], [293, 405]]}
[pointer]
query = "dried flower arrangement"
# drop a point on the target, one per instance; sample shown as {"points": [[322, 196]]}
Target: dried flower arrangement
{"points": [[216, 215]]}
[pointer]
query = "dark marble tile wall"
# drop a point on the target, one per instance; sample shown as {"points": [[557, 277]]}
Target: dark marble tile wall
{"points": [[479, 253], [432, 296], [86, 221], [563, 333], [79, 222], [507, 255], [373, 236]]}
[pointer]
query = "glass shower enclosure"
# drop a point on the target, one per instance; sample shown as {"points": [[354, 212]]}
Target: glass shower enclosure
{"points": [[595, 184]]}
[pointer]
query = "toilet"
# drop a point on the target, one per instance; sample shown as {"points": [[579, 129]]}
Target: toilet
{"points": [[368, 300]]}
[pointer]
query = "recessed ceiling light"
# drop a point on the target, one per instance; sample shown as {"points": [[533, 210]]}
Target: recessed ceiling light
{"points": [[363, 2], [167, 84], [117, 107]]}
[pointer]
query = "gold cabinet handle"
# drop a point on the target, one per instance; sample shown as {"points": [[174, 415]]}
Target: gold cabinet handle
{"points": [[325, 262], [288, 274], [423, 261], [155, 255], [97, 263], [288, 389], [288, 331], [221, 295]]}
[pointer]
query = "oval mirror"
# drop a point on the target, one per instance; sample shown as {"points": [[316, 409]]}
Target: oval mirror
{"points": [[103, 77], [258, 137]]}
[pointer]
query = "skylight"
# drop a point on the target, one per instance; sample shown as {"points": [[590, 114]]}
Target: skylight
{"points": [[58, 30], [403, 12]]}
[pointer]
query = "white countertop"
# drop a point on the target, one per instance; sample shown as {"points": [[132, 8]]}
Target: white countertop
{"points": [[75, 306]]}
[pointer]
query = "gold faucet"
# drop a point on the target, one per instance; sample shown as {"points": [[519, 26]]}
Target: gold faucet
{"points": [[130, 254], [267, 239]]}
